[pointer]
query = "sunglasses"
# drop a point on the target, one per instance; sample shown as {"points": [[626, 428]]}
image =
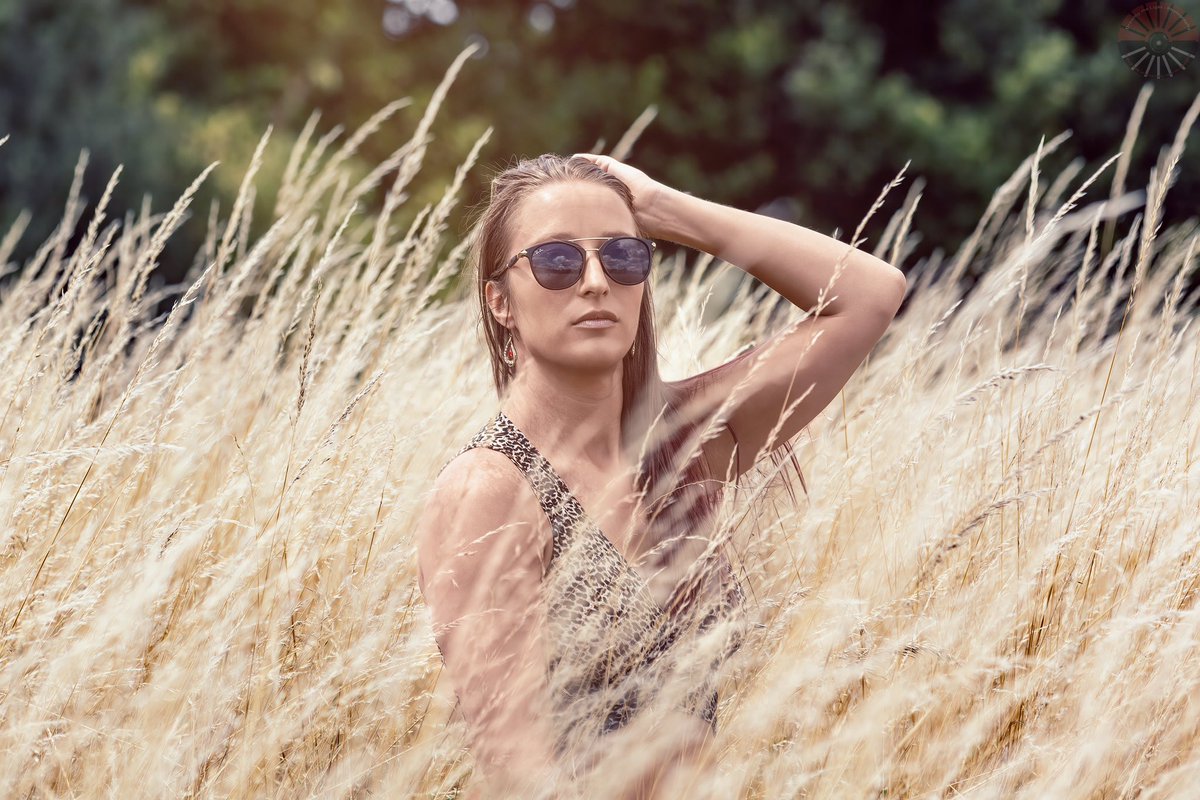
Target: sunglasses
{"points": [[559, 264]]}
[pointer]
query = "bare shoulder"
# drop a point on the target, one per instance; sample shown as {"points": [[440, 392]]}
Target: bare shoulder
{"points": [[481, 503]]}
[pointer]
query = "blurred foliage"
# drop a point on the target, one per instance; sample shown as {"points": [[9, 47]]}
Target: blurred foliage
{"points": [[68, 83], [800, 109]]}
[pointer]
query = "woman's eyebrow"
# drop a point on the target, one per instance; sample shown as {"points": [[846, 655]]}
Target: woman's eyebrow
{"points": [[566, 235]]}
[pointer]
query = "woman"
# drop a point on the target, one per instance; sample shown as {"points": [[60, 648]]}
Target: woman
{"points": [[560, 549]]}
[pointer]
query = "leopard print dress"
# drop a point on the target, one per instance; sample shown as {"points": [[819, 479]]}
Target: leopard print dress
{"points": [[607, 636]]}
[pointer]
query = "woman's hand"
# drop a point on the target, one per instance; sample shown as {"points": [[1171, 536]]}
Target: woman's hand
{"points": [[646, 191]]}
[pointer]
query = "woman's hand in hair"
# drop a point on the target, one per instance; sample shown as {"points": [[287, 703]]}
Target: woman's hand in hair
{"points": [[646, 191]]}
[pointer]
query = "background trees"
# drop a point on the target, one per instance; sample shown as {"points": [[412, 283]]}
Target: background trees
{"points": [[799, 109]]}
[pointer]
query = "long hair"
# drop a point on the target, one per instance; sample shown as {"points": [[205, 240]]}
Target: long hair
{"points": [[655, 420]]}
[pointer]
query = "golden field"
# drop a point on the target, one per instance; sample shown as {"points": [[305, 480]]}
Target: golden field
{"points": [[207, 569]]}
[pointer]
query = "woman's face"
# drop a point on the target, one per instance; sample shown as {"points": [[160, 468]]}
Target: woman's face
{"points": [[543, 320]]}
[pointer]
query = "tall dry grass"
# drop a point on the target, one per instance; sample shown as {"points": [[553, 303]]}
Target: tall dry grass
{"points": [[208, 573]]}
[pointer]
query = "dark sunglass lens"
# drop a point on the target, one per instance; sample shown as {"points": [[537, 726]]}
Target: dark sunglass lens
{"points": [[556, 265], [627, 260]]}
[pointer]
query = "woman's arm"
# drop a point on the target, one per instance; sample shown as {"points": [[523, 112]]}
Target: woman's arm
{"points": [[801, 369], [795, 261], [765, 396], [482, 546]]}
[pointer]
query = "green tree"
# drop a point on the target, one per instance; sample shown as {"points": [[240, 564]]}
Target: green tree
{"points": [[72, 77]]}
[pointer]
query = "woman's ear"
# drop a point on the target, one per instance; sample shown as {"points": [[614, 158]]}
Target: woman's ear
{"points": [[497, 301]]}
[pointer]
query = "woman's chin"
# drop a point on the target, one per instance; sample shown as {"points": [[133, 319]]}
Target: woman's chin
{"points": [[597, 360]]}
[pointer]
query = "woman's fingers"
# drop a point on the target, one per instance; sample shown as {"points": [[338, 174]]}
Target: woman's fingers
{"points": [[644, 189], [598, 160]]}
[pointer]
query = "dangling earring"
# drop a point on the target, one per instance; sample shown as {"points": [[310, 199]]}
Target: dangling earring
{"points": [[509, 355], [633, 350]]}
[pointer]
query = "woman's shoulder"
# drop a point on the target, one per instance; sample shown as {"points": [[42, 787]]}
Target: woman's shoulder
{"points": [[481, 469], [480, 475], [480, 490]]}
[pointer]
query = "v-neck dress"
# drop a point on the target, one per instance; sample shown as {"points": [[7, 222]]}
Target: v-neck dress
{"points": [[606, 634]]}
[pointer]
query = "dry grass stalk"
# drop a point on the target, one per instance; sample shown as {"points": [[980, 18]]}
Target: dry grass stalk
{"points": [[208, 572]]}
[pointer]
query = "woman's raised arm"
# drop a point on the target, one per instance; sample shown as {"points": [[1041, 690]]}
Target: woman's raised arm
{"points": [[795, 374], [775, 389]]}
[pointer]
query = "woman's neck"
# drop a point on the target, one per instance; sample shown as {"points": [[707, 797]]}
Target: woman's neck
{"points": [[576, 416]]}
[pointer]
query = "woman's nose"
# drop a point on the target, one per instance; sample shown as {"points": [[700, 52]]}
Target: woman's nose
{"points": [[594, 278]]}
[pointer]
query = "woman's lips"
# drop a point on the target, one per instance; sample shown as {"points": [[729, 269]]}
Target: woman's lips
{"points": [[595, 323]]}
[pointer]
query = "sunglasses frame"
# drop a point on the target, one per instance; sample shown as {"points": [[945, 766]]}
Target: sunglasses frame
{"points": [[524, 253]]}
